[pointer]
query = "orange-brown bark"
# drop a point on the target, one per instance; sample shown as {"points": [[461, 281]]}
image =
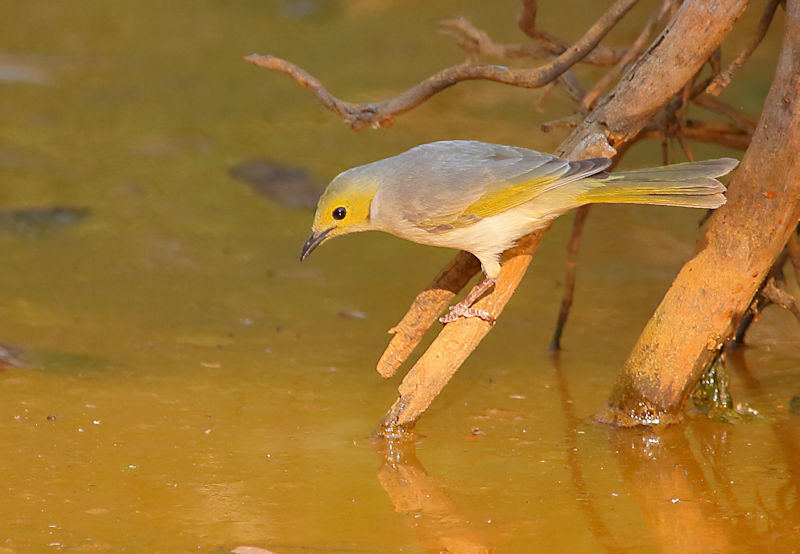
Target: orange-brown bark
{"points": [[457, 340], [700, 311], [425, 310]]}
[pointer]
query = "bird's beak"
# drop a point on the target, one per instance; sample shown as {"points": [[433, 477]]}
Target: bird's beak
{"points": [[313, 241]]}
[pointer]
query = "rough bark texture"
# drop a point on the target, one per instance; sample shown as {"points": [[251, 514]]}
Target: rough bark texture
{"points": [[665, 68], [457, 341], [668, 65], [700, 312], [425, 310]]}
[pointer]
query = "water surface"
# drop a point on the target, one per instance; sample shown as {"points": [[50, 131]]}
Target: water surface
{"points": [[182, 383]]}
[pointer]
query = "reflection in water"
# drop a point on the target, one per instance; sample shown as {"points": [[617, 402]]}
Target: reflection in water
{"points": [[678, 504], [572, 423], [784, 518], [683, 479], [432, 513], [688, 484]]}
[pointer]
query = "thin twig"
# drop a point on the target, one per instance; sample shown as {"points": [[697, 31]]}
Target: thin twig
{"points": [[590, 98], [476, 41], [569, 285], [737, 117], [716, 133], [723, 79], [793, 247], [544, 92], [780, 297], [570, 122], [685, 147], [703, 131], [571, 84], [526, 21], [382, 114], [573, 247]]}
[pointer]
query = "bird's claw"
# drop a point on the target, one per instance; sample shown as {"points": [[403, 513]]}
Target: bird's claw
{"points": [[459, 310]]}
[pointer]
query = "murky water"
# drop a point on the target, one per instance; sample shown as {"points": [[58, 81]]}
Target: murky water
{"points": [[178, 381]]}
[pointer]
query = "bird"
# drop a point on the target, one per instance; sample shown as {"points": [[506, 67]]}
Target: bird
{"points": [[481, 197]]}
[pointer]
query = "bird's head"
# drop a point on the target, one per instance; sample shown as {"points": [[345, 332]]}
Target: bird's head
{"points": [[343, 208]]}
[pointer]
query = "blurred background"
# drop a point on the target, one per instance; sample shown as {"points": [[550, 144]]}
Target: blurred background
{"points": [[174, 379]]}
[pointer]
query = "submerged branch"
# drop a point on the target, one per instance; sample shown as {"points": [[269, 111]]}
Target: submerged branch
{"points": [[702, 308]]}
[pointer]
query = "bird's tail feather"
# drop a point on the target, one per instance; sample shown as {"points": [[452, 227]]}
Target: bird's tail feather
{"points": [[691, 184]]}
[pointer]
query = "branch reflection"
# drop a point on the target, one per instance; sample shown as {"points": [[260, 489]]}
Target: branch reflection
{"points": [[431, 512]]}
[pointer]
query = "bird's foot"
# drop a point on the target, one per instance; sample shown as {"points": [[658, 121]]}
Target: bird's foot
{"points": [[463, 310]]}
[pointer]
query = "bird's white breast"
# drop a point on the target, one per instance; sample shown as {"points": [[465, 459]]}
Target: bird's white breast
{"points": [[486, 239]]}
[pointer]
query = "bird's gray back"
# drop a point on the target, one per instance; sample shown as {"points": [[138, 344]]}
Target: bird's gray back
{"points": [[439, 180]]}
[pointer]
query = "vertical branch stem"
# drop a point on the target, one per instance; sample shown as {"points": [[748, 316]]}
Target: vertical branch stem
{"points": [[700, 311]]}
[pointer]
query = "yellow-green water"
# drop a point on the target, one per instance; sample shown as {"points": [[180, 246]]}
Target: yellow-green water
{"points": [[190, 386]]}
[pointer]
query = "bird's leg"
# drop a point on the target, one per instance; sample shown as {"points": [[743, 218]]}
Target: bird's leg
{"points": [[465, 309]]}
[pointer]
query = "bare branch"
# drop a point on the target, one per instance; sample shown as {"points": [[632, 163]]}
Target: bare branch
{"points": [[477, 41], [457, 340], [740, 119], [778, 296], [382, 114], [793, 247], [527, 18], [570, 121], [685, 147], [527, 24], [590, 98], [702, 131], [569, 285], [571, 84], [704, 304], [425, 309], [723, 79]]}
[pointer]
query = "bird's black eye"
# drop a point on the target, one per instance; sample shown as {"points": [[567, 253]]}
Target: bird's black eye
{"points": [[339, 213]]}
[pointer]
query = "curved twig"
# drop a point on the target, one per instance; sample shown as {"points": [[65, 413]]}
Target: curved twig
{"points": [[723, 79], [569, 285], [738, 118], [590, 98], [477, 41], [382, 114]]}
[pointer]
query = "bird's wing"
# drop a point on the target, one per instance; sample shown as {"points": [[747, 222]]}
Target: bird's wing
{"points": [[466, 181]]}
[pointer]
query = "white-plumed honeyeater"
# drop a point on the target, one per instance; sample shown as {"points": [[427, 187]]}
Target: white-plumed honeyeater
{"points": [[482, 197]]}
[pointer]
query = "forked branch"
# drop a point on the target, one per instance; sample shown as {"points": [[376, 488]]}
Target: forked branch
{"points": [[383, 113], [477, 41]]}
